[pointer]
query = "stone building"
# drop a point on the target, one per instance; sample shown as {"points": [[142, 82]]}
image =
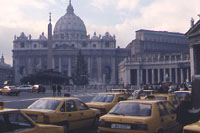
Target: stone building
{"points": [[156, 56], [5, 71], [193, 34], [59, 51]]}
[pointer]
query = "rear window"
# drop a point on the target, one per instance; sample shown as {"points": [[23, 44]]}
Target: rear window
{"points": [[45, 104], [132, 109], [107, 98]]}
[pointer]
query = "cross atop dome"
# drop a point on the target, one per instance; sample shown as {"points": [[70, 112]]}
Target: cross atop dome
{"points": [[70, 9]]}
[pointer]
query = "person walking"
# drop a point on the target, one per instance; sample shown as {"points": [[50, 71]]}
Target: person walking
{"points": [[59, 90], [54, 90]]}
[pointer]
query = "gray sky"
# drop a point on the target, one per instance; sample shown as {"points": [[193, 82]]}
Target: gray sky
{"points": [[119, 17]]}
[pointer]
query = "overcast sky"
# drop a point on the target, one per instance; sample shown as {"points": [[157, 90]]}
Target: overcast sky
{"points": [[119, 17]]}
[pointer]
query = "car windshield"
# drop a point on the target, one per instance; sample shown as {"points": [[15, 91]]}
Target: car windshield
{"points": [[107, 98], [132, 109], [181, 94], [45, 104]]}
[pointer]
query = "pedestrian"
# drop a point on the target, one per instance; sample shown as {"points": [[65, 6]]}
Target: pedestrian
{"points": [[54, 90], [185, 113], [59, 90]]}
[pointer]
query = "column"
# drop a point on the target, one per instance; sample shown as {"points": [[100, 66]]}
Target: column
{"points": [[141, 75], [128, 77], [69, 67], [89, 66], [158, 75], [113, 76], [60, 63], [99, 69], [181, 75], [164, 74], [53, 63], [153, 76], [29, 70], [170, 74], [188, 75], [138, 77], [16, 68], [176, 75], [147, 78]]}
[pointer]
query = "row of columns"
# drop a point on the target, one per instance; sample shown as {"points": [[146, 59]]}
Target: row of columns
{"points": [[179, 73]]}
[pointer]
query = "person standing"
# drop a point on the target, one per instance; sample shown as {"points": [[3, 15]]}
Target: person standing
{"points": [[59, 90], [54, 90], [186, 114]]}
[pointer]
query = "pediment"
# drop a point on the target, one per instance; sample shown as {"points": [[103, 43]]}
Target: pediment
{"points": [[194, 31], [64, 46]]}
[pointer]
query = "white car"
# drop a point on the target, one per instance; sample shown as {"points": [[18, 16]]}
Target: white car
{"points": [[25, 88]]}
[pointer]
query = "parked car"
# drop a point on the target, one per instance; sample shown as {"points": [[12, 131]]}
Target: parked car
{"points": [[140, 116], [69, 112], [27, 88], [38, 88], [105, 101], [15, 121], [9, 90]]}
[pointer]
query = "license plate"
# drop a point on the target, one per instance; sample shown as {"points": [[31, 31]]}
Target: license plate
{"points": [[120, 126]]}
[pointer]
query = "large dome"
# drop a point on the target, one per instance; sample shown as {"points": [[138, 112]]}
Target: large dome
{"points": [[70, 25]]}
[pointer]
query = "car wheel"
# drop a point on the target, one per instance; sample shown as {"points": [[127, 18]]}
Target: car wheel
{"points": [[66, 128], [95, 122]]}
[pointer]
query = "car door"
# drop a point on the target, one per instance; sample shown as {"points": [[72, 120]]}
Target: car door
{"points": [[172, 116], [164, 116], [71, 114], [87, 115]]}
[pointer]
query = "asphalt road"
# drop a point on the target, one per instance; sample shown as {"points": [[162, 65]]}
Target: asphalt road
{"points": [[26, 98]]}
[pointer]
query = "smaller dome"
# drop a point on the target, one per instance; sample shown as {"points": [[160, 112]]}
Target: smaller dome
{"points": [[95, 37], [107, 36]]}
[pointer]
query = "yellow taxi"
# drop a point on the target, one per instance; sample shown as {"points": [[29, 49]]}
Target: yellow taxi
{"points": [[9, 90], [125, 91], [69, 112], [192, 128], [169, 97], [13, 120], [140, 116], [105, 101], [181, 94]]}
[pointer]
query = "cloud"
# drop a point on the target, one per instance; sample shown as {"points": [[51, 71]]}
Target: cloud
{"points": [[165, 15], [101, 4], [127, 4]]}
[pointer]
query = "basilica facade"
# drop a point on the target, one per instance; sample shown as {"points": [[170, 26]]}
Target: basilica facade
{"points": [[61, 48]]}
